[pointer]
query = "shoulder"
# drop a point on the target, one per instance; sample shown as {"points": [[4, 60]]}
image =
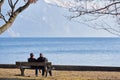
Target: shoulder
{"points": [[34, 58], [28, 58], [38, 58], [45, 58]]}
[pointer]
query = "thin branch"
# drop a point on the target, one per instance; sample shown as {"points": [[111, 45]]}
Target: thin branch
{"points": [[15, 3], [3, 17], [20, 9], [10, 3], [103, 10]]}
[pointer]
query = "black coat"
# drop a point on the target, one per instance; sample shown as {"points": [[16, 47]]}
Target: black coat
{"points": [[42, 59]]}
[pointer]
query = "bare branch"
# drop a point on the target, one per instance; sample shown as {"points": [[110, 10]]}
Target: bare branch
{"points": [[31, 1], [10, 3], [14, 13], [86, 12], [1, 15], [16, 3]]}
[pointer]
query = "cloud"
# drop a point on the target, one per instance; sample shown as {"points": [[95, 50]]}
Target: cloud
{"points": [[61, 3], [12, 33]]}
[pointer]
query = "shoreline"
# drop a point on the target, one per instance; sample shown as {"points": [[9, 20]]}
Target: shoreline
{"points": [[73, 67]]}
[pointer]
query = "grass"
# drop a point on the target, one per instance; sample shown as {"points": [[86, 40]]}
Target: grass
{"points": [[14, 74]]}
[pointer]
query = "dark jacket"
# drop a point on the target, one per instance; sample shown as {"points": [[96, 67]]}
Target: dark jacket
{"points": [[32, 60], [42, 59]]}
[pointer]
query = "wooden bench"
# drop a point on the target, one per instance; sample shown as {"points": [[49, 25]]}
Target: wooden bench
{"points": [[27, 65]]}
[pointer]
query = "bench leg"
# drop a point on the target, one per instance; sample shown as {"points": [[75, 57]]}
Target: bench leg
{"points": [[50, 72], [22, 71], [46, 73]]}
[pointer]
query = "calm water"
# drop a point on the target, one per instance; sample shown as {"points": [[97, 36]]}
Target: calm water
{"points": [[71, 51]]}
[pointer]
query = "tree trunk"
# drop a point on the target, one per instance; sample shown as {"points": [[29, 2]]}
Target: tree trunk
{"points": [[12, 18], [7, 24]]}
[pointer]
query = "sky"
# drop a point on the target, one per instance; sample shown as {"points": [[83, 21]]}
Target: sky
{"points": [[45, 20]]}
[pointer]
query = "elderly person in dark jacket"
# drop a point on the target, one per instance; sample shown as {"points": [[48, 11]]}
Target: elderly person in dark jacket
{"points": [[32, 59], [43, 59]]}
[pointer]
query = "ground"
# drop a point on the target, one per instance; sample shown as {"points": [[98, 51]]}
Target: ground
{"points": [[14, 74]]}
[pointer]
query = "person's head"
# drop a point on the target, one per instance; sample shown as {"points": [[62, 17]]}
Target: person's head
{"points": [[41, 55], [31, 55]]}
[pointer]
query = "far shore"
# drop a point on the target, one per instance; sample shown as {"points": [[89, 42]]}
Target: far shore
{"points": [[14, 74]]}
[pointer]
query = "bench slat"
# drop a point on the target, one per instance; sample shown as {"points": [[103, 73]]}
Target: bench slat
{"points": [[33, 63]]}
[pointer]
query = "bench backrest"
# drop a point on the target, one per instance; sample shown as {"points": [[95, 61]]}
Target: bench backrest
{"points": [[33, 63]]}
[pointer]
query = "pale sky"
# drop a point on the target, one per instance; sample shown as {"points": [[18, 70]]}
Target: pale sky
{"points": [[45, 20]]}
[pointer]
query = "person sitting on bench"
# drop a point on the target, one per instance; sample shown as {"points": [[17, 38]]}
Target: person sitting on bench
{"points": [[43, 59], [32, 59]]}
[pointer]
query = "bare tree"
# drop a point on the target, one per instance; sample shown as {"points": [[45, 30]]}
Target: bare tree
{"points": [[98, 14], [14, 11]]}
